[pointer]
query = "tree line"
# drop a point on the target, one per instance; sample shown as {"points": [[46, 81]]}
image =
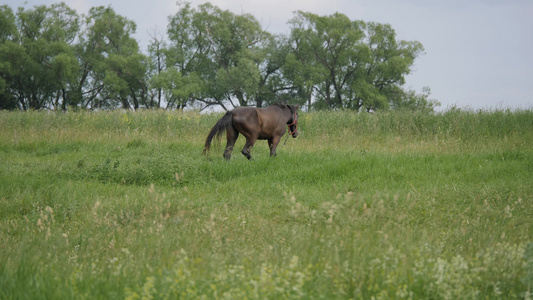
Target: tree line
{"points": [[51, 57]]}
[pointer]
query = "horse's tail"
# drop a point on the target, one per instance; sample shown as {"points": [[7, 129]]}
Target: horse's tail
{"points": [[217, 130]]}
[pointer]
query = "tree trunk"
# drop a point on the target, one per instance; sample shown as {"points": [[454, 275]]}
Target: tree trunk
{"points": [[65, 101]]}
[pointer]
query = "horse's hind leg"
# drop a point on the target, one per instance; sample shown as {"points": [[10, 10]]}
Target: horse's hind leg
{"points": [[246, 151], [231, 137]]}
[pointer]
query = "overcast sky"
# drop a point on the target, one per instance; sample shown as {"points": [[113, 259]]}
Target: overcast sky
{"points": [[478, 53]]}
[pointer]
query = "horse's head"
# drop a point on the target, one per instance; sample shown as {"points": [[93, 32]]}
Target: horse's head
{"points": [[293, 121]]}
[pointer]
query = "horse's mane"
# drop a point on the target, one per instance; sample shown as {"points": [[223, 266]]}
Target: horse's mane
{"points": [[283, 106], [280, 105]]}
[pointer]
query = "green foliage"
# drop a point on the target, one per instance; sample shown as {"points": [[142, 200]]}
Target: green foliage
{"points": [[53, 58], [114, 69], [50, 60], [397, 204], [37, 59], [221, 48], [410, 100], [7, 23], [350, 64]]}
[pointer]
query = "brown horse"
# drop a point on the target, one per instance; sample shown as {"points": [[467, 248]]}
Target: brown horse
{"points": [[255, 124]]}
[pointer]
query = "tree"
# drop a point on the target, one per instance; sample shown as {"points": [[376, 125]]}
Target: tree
{"points": [[155, 65], [39, 63], [221, 50], [390, 61], [113, 71], [410, 100], [188, 58], [233, 41], [325, 54], [8, 31], [348, 64], [273, 85], [50, 57]]}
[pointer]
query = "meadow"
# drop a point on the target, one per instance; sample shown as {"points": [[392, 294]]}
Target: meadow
{"points": [[392, 205]]}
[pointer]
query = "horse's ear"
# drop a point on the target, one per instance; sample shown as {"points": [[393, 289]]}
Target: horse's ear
{"points": [[293, 107]]}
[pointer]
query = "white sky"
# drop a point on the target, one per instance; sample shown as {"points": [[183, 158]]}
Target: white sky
{"points": [[478, 53]]}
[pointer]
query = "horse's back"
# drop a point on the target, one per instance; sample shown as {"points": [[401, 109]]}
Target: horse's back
{"points": [[245, 114]]}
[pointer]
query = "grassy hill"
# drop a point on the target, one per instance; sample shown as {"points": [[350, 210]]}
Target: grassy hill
{"points": [[389, 205]]}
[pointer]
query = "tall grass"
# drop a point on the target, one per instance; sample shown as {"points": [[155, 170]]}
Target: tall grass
{"points": [[389, 205]]}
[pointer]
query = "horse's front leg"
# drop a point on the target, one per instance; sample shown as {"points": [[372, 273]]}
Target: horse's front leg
{"points": [[273, 144]]}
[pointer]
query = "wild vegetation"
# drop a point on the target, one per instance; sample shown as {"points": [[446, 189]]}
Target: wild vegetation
{"points": [[121, 204], [52, 57]]}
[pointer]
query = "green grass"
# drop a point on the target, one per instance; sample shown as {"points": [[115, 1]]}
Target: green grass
{"points": [[106, 205]]}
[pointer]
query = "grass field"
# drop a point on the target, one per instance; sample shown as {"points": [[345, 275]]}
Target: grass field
{"points": [[110, 205]]}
